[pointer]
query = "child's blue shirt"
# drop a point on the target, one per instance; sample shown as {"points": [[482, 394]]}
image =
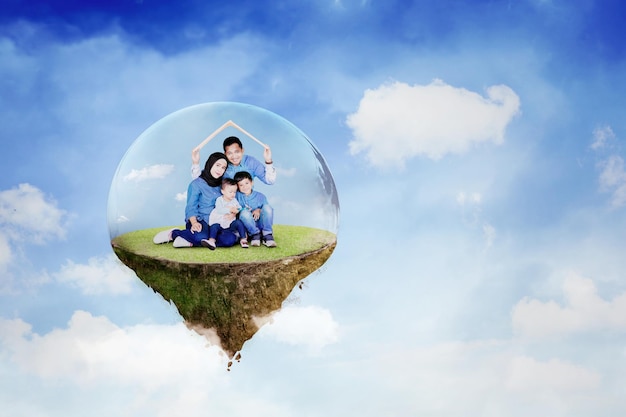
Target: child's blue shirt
{"points": [[253, 201]]}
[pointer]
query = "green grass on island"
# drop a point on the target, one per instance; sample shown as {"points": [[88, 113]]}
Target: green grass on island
{"points": [[290, 240]]}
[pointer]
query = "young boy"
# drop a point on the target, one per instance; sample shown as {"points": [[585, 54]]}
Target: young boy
{"points": [[256, 214], [223, 216]]}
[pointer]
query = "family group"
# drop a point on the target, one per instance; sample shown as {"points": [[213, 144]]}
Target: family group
{"points": [[222, 206]]}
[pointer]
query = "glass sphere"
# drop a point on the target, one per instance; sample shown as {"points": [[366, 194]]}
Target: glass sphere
{"points": [[150, 184]]}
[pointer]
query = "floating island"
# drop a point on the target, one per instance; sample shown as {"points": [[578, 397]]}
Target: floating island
{"points": [[226, 292]]}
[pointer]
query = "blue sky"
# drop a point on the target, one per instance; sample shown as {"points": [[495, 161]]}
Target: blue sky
{"points": [[478, 153]]}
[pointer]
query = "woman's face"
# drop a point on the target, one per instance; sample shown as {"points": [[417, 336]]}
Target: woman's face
{"points": [[218, 168]]}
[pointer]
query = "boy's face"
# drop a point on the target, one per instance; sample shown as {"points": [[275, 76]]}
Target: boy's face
{"points": [[245, 186], [229, 191], [234, 153]]}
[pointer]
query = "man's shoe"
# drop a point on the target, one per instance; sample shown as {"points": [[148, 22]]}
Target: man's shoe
{"points": [[268, 240]]}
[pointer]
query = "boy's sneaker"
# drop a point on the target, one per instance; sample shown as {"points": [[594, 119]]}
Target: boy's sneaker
{"points": [[244, 243], [268, 240], [255, 240], [207, 244], [163, 237], [181, 242]]}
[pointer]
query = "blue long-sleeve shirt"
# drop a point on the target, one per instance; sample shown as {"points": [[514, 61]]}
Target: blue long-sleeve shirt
{"points": [[200, 199]]}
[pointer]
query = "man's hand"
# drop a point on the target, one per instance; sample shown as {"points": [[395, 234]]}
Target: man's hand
{"points": [[267, 154]]}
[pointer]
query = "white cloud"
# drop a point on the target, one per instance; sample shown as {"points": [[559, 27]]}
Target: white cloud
{"points": [[149, 173], [584, 311], [26, 216], [464, 198], [26, 211], [6, 255], [105, 275], [396, 121], [530, 375], [613, 179], [93, 347], [601, 136], [181, 196], [490, 234], [485, 377], [311, 326], [150, 370], [612, 174]]}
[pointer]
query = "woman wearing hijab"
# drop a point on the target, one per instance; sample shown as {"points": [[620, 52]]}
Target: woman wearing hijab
{"points": [[201, 195]]}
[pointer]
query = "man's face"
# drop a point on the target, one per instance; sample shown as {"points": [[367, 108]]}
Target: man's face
{"points": [[234, 153]]}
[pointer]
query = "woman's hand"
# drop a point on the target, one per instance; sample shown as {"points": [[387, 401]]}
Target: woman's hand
{"points": [[195, 225]]}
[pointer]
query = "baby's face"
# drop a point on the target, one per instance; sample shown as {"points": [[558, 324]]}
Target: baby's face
{"points": [[245, 186], [229, 191]]}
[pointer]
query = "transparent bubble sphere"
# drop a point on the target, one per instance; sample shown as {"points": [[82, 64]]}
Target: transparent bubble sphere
{"points": [[150, 184]]}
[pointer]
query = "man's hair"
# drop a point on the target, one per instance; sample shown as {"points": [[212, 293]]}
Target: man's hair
{"points": [[228, 181], [242, 175], [230, 141]]}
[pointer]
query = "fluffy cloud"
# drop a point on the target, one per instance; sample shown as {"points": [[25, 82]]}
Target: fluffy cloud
{"points": [[613, 179], [149, 173], [93, 347], [105, 275], [311, 326], [530, 375], [584, 310], [397, 121], [150, 370], [485, 378], [26, 210], [5, 253], [602, 136], [26, 216], [612, 174]]}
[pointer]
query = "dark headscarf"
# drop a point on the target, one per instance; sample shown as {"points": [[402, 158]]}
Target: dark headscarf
{"points": [[206, 172]]}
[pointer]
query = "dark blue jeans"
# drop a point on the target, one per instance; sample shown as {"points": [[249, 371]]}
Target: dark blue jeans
{"points": [[215, 231], [225, 238]]}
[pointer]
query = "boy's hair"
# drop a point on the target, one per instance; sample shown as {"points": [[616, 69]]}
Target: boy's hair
{"points": [[228, 181], [230, 141], [242, 175]]}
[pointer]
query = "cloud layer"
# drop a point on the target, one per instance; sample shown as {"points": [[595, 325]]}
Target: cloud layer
{"points": [[583, 311]]}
